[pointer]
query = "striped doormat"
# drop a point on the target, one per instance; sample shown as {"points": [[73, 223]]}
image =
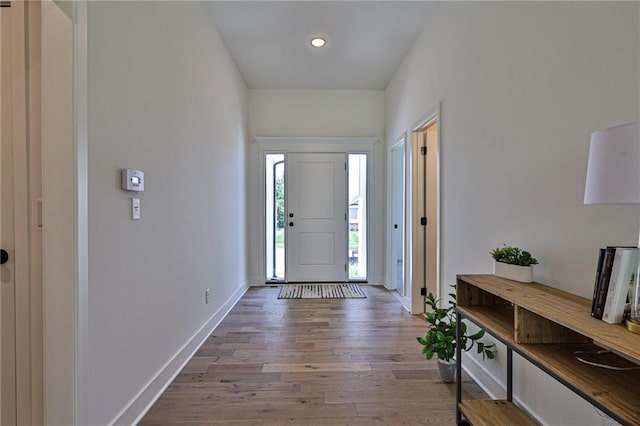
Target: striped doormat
{"points": [[321, 291]]}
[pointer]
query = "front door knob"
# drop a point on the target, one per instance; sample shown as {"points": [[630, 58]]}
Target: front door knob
{"points": [[4, 256], [290, 223]]}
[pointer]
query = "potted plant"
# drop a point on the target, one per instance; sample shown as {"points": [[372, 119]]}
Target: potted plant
{"points": [[440, 339], [513, 263]]}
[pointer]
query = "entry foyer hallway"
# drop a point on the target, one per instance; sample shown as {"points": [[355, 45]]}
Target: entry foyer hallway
{"points": [[311, 362]]}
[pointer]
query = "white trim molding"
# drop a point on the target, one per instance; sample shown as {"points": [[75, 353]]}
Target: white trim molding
{"points": [[81, 154], [285, 145], [64, 166]]}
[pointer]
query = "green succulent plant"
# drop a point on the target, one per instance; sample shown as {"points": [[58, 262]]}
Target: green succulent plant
{"points": [[513, 256], [440, 339]]}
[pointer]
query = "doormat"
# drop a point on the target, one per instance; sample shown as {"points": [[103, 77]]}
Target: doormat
{"points": [[321, 291]]}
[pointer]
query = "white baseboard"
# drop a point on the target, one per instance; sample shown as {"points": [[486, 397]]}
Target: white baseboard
{"points": [[142, 402], [493, 387]]}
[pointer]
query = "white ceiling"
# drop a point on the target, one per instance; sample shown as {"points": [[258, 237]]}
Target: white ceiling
{"points": [[366, 41]]}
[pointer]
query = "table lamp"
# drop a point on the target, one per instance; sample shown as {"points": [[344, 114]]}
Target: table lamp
{"points": [[613, 177]]}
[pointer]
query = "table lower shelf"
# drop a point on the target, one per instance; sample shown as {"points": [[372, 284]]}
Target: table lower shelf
{"points": [[491, 412]]}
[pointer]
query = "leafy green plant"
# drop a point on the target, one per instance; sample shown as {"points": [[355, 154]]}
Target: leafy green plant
{"points": [[513, 256], [353, 239], [440, 339], [280, 202]]}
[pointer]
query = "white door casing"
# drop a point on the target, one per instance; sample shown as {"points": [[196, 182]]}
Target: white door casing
{"points": [[261, 146], [425, 201], [64, 215], [431, 207], [316, 217]]}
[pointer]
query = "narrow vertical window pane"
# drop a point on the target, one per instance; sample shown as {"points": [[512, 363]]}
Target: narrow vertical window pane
{"points": [[357, 249], [274, 208]]}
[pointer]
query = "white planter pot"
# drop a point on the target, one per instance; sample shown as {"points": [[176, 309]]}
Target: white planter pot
{"points": [[447, 370], [524, 274]]}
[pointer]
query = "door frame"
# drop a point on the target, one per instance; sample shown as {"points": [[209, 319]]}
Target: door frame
{"points": [[286, 145], [416, 193], [65, 235]]}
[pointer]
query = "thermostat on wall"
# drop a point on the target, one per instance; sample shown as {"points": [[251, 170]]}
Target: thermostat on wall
{"points": [[132, 180]]}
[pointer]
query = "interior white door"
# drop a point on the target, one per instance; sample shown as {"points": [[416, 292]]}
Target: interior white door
{"points": [[397, 218], [7, 280], [316, 242]]}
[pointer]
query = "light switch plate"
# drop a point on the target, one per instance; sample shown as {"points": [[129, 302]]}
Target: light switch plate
{"points": [[135, 209]]}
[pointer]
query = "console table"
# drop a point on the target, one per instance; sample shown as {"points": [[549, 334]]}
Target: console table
{"points": [[546, 326]]}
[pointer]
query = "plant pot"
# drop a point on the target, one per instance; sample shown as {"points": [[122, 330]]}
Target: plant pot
{"points": [[447, 370], [523, 274]]}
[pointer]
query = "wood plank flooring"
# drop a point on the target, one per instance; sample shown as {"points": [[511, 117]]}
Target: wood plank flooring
{"points": [[311, 362]]}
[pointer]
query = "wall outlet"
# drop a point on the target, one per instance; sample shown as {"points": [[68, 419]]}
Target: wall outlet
{"points": [[207, 294]]}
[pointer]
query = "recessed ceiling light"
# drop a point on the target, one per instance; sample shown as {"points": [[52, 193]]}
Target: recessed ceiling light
{"points": [[318, 42]]}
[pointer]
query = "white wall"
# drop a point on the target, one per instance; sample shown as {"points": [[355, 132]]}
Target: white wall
{"points": [[317, 113], [523, 85], [164, 97]]}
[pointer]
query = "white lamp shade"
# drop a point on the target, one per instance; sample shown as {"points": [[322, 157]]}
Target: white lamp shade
{"points": [[613, 173]]}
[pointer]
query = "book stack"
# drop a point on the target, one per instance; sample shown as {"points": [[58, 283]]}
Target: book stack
{"points": [[615, 276]]}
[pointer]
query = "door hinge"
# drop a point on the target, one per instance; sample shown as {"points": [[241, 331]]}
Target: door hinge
{"points": [[345, 267], [423, 291], [423, 221], [423, 150], [345, 216], [345, 166], [5, 4]]}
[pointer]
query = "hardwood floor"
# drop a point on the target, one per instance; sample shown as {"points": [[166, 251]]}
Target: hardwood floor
{"points": [[311, 362]]}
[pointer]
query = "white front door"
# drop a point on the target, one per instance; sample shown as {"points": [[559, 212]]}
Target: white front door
{"points": [[316, 218]]}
